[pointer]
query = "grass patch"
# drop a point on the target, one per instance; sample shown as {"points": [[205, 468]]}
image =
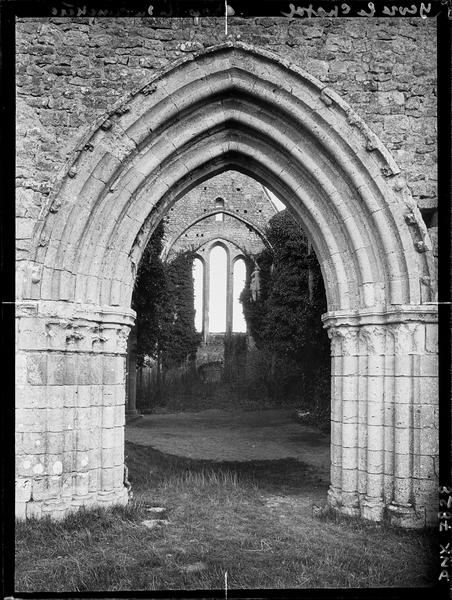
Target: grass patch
{"points": [[252, 519]]}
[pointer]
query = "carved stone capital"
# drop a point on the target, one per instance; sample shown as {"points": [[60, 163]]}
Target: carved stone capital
{"points": [[373, 338], [403, 335]]}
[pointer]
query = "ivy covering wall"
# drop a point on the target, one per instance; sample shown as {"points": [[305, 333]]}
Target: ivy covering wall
{"points": [[285, 318], [164, 301]]}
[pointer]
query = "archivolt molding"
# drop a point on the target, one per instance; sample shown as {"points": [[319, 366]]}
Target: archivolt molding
{"points": [[232, 107]]}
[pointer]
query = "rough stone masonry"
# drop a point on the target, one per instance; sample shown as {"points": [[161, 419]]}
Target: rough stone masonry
{"points": [[119, 118]]}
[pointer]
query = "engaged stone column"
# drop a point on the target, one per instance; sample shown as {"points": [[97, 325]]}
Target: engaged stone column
{"points": [[343, 493], [416, 403], [384, 428], [132, 372], [70, 391], [373, 348]]}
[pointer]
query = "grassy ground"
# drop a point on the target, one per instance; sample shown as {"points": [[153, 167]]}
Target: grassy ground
{"points": [[253, 520]]}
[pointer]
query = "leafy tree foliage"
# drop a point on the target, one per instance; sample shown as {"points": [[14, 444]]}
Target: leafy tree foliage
{"points": [[150, 298], [285, 319], [182, 340], [164, 301]]}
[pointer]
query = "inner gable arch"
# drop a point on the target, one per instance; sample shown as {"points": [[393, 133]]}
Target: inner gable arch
{"points": [[168, 246]]}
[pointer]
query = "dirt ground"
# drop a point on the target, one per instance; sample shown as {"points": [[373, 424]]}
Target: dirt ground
{"points": [[222, 435]]}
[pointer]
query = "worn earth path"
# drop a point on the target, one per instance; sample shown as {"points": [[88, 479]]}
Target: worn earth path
{"points": [[222, 435]]}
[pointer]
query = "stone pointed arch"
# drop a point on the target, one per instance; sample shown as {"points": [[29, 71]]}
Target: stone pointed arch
{"points": [[233, 107]]}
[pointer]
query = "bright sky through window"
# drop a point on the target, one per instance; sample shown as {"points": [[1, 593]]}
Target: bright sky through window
{"points": [[217, 292], [198, 276], [238, 320], [275, 201]]}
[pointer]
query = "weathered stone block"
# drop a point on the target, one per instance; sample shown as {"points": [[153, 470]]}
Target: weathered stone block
{"points": [[109, 437], [96, 417], [23, 492], [108, 419], [67, 482], [55, 396], [375, 366], [33, 510], [83, 417], [56, 369], [93, 480], [36, 368], [69, 438], [427, 467], [54, 443], [35, 397], [84, 440], [428, 366], [375, 393], [119, 416], [403, 365], [107, 477], [349, 388], [70, 396], [82, 460], [374, 492], [30, 419], [403, 390], [402, 415], [83, 396], [349, 435], [86, 374], [71, 370], [429, 441], [69, 422], [110, 371], [95, 455], [349, 480], [375, 436], [429, 390], [55, 419], [336, 455], [349, 457], [81, 485]]}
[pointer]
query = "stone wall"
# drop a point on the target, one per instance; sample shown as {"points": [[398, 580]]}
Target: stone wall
{"points": [[71, 71], [243, 197]]}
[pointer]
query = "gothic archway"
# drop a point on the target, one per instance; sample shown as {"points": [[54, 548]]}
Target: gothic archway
{"points": [[232, 107]]}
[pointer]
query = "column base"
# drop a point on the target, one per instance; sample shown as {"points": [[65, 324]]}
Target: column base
{"points": [[345, 503], [60, 508], [372, 509], [334, 497], [404, 515]]}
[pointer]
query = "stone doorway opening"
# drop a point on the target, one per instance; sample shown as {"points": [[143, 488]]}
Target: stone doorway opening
{"points": [[232, 107], [241, 332]]}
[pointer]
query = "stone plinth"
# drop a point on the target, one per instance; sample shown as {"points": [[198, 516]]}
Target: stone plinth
{"points": [[70, 391], [384, 415]]}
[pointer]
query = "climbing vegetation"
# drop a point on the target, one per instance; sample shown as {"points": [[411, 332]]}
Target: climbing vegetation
{"points": [[164, 301], [285, 318]]}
